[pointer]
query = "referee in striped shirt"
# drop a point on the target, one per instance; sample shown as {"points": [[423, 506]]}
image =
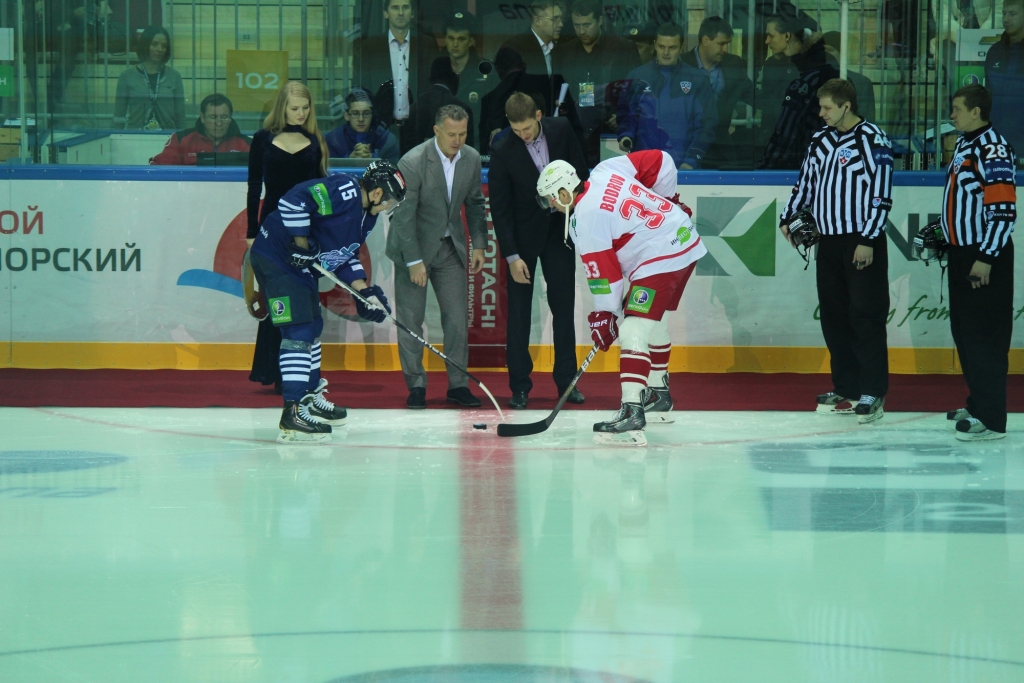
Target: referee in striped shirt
{"points": [[846, 183], [978, 213]]}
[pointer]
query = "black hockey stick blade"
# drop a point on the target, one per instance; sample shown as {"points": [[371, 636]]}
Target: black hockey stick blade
{"points": [[538, 427]]}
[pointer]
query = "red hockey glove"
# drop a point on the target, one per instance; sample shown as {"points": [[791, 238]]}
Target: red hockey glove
{"points": [[603, 328], [679, 202]]}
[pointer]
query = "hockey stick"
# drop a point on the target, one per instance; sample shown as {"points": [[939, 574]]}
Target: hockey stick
{"points": [[538, 427], [330, 276]]}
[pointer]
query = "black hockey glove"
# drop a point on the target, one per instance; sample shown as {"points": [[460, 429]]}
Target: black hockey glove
{"points": [[375, 295], [304, 258]]}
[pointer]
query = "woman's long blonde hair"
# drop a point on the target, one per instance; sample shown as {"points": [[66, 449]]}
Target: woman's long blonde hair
{"points": [[276, 120]]}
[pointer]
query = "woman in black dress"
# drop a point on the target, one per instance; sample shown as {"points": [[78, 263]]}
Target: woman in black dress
{"points": [[288, 150]]}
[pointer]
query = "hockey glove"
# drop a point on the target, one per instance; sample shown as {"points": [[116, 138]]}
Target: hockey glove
{"points": [[679, 202], [604, 330], [304, 258], [375, 295]]}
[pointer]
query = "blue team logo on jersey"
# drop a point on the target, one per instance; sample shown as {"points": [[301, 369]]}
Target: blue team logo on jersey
{"points": [[876, 202], [685, 85], [332, 260], [844, 156], [958, 161]]}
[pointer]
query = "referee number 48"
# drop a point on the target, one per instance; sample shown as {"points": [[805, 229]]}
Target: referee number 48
{"points": [[998, 151], [882, 141]]}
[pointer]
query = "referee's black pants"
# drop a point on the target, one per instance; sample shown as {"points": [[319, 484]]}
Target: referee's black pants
{"points": [[558, 263], [854, 305], [982, 323]]}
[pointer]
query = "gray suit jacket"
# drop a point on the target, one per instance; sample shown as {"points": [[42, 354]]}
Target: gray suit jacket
{"points": [[419, 222]]}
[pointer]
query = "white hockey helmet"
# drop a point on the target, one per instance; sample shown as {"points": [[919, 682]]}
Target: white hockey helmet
{"points": [[558, 175]]}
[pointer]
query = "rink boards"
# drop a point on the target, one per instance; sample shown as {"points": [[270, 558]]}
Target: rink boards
{"points": [[138, 268]]}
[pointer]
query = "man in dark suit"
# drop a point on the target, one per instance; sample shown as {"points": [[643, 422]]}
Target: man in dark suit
{"points": [[527, 233], [733, 146], [543, 89], [443, 83], [589, 62], [535, 46], [393, 66]]}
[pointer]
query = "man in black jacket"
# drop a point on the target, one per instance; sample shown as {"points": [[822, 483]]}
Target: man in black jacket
{"points": [[543, 90], [536, 45], [733, 146], [527, 232], [443, 83]]}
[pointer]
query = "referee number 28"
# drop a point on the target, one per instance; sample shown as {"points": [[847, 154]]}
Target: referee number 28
{"points": [[996, 151]]}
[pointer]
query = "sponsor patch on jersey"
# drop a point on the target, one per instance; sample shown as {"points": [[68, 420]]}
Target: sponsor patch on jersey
{"points": [[640, 299], [280, 310], [600, 286], [881, 203], [331, 260], [322, 199], [1001, 215], [845, 155], [999, 170], [683, 234], [882, 156], [685, 85]]}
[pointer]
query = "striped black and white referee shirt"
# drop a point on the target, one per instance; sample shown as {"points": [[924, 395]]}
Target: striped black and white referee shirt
{"points": [[846, 182], [979, 204]]}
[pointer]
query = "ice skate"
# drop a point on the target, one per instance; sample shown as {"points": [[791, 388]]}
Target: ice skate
{"points": [[834, 404], [626, 428], [954, 416], [657, 403], [297, 425], [972, 429], [320, 409], [869, 409]]}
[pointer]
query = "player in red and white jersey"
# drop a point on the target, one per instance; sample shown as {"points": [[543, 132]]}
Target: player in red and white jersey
{"points": [[638, 248]]}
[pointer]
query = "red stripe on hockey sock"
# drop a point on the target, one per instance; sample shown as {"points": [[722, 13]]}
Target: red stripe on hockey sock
{"points": [[659, 357], [634, 367]]}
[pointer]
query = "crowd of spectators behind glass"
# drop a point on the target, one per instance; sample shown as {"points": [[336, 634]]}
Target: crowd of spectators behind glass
{"points": [[624, 84]]}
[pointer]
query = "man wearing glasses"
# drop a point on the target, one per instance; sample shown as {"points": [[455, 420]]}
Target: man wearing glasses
{"points": [[215, 131], [361, 136], [536, 45]]}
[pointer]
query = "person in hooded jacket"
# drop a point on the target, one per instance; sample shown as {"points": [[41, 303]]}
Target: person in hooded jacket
{"points": [[362, 136], [215, 131]]}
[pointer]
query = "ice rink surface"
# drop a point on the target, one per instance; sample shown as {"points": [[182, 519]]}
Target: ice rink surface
{"points": [[172, 546]]}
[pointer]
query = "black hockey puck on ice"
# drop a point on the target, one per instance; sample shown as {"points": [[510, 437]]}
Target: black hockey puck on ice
{"points": [[479, 425]]}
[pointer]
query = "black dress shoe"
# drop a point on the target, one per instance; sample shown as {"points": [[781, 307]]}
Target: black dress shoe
{"points": [[519, 400], [463, 397], [575, 397], [417, 398]]}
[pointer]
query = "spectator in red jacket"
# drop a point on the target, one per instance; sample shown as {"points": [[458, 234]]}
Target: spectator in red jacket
{"points": [[215, 131]]}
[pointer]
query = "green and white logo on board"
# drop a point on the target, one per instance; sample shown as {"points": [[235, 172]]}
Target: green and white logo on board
{"points": [[640, 299]]}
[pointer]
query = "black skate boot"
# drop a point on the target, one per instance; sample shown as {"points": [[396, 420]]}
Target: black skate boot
{"points": [[320, 409], [626, 428], [834, 404], [297, 425], [657, 403], [870, 409]]}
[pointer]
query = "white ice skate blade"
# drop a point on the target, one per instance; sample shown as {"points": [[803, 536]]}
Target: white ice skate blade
{"points": [[833, 410], [291, 436], [660, 418], [631, 438], [987, 435], [868, 419]]}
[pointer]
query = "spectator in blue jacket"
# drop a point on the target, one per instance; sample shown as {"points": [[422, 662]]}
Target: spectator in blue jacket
{"points": [[361, 136], [1004, 76], [668, 104]]}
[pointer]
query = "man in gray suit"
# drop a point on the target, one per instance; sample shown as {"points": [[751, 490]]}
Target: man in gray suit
{"points": [[426, 242]]}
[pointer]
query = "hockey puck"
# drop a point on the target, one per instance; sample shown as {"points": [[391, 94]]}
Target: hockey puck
{"points": [[479, 425]]}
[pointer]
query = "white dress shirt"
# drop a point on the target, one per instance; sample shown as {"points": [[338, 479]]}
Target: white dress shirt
{"points": [[400, 75], [448, 166], [546, 48]]}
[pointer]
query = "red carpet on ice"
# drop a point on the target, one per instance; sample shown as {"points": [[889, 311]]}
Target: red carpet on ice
{"points": [[227, 388]]}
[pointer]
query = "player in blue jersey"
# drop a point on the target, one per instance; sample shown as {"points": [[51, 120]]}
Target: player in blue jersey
{"points": [[323, 221]]}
